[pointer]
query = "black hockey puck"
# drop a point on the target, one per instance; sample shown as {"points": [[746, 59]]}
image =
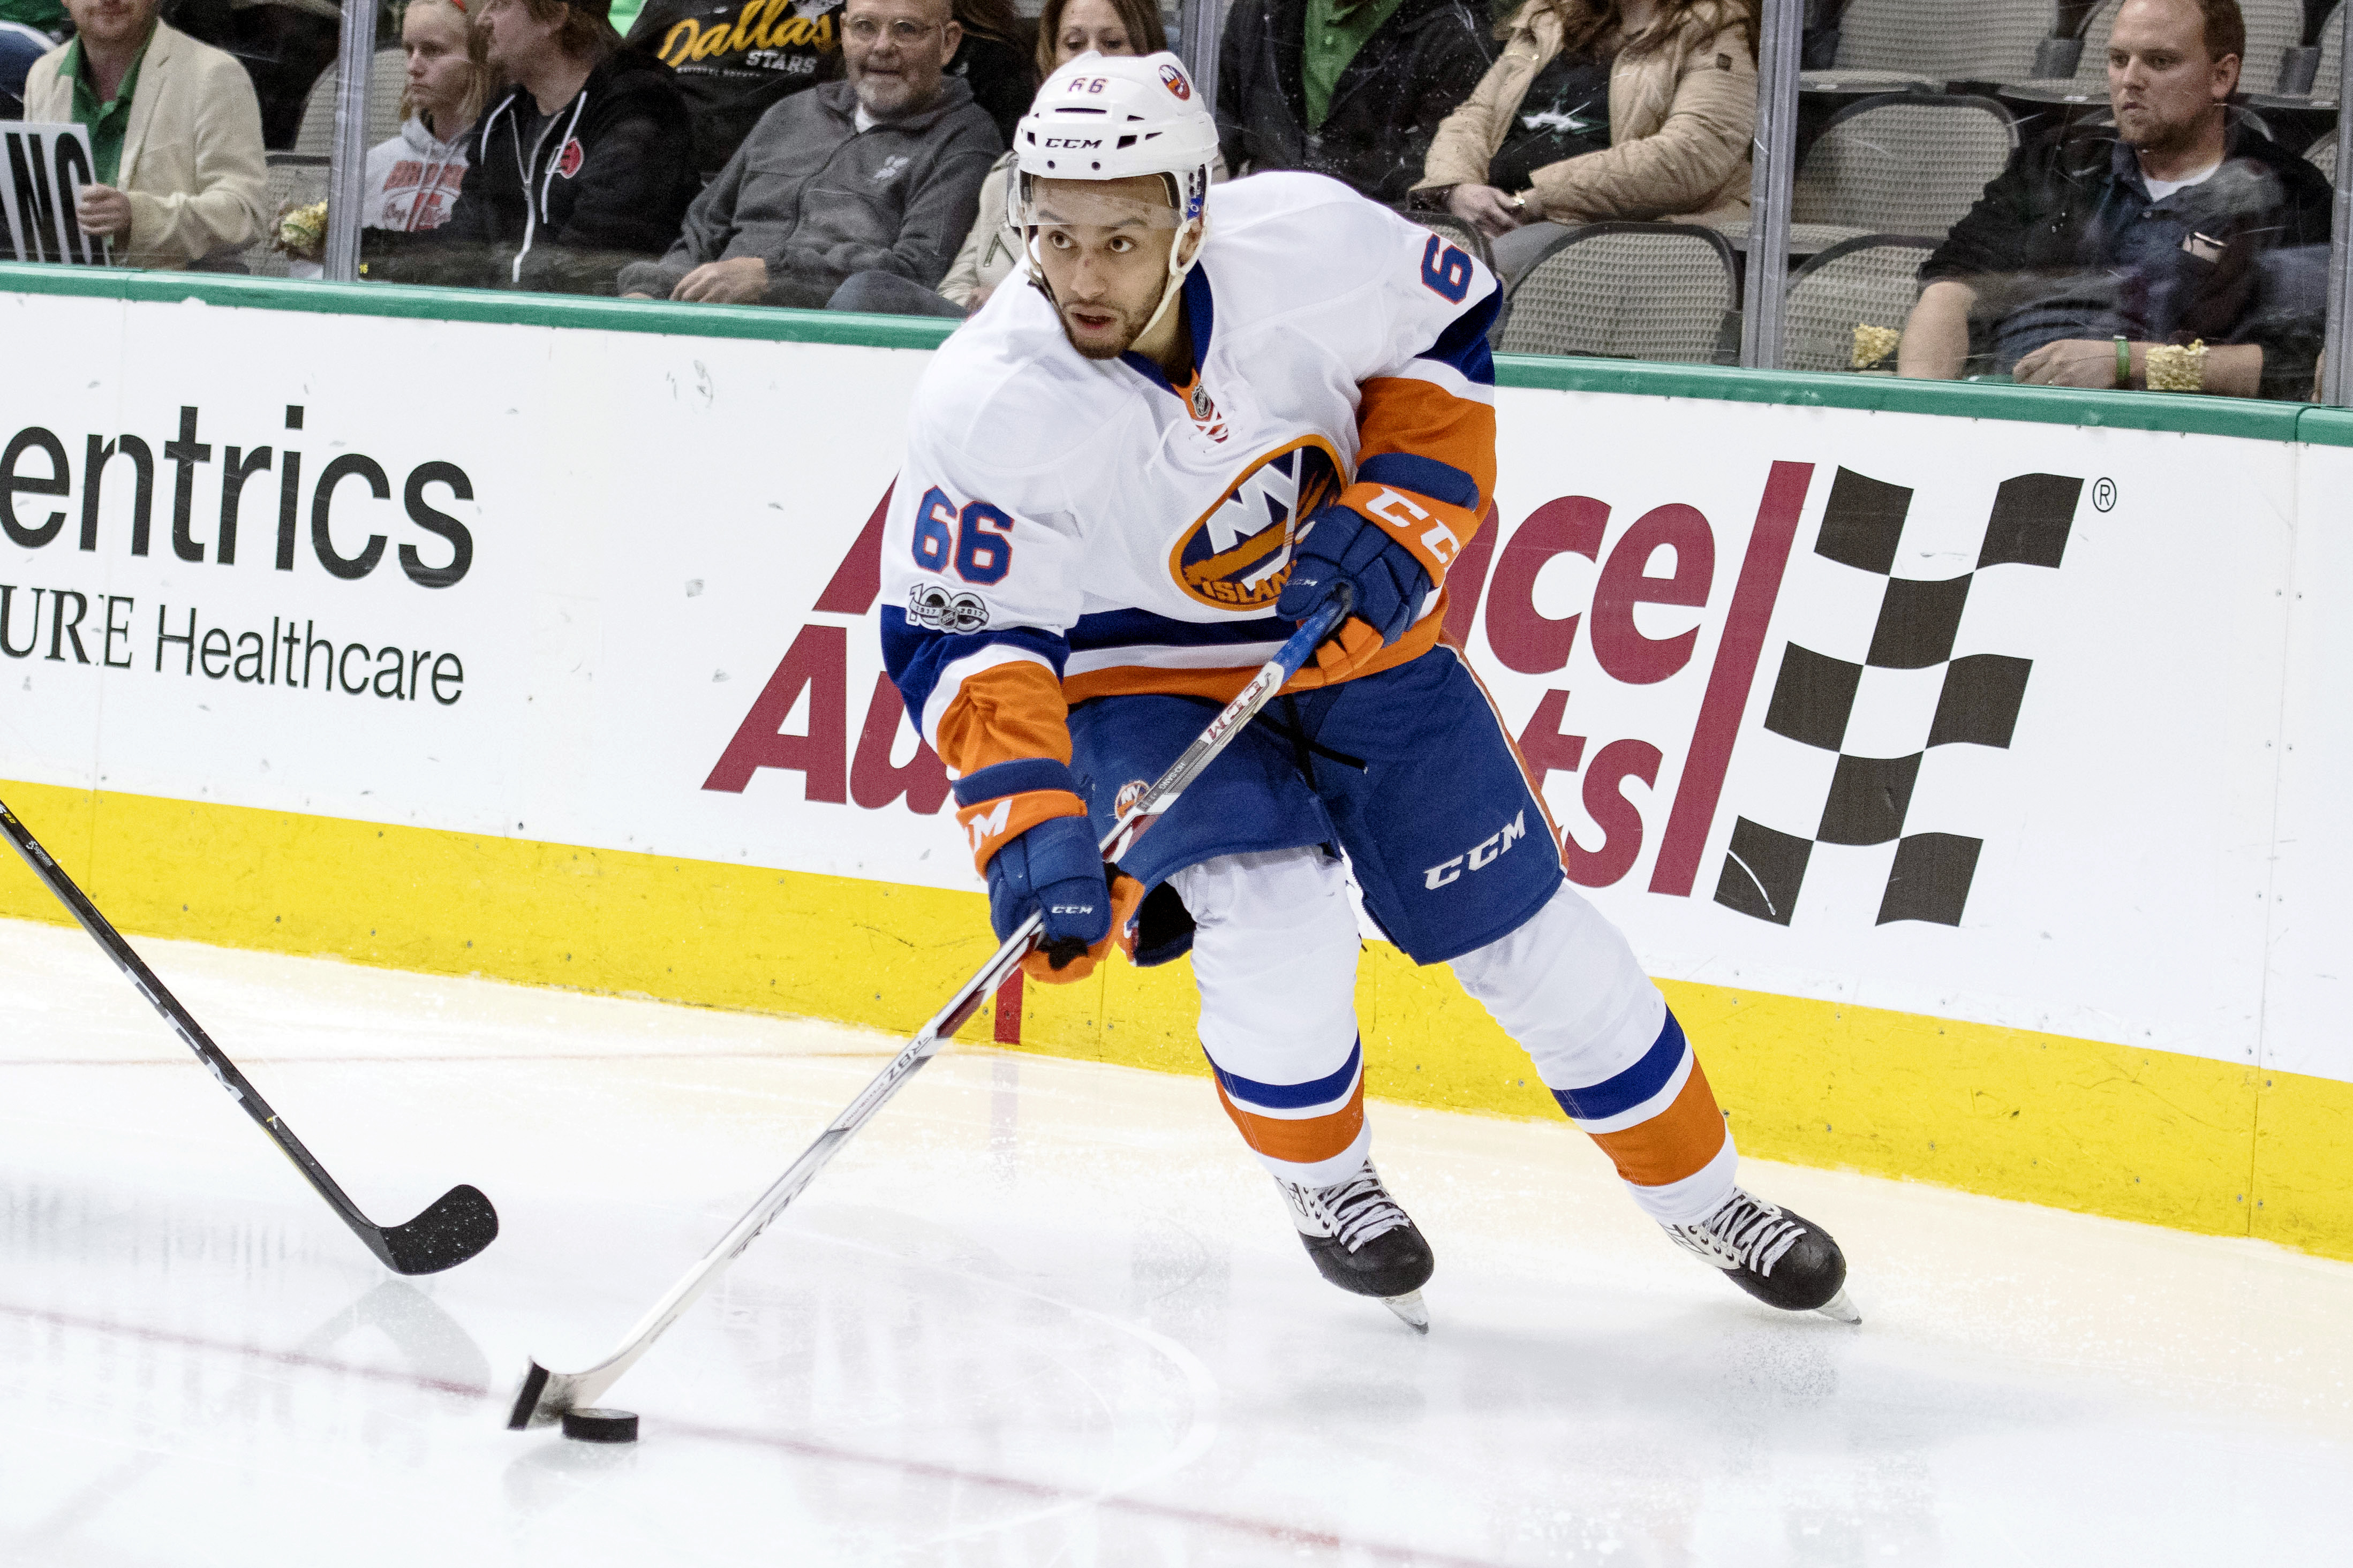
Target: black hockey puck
{"points": [[601, 1426]]}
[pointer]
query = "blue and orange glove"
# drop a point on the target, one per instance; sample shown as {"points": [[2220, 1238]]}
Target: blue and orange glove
{"points": [[1341, 546], [1055, 867]]}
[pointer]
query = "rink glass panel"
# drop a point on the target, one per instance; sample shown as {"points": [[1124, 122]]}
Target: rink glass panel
{"points": [[659, 757]]}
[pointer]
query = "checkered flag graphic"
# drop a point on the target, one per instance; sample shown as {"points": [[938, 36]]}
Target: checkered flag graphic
{"points": [[1977, 703]]}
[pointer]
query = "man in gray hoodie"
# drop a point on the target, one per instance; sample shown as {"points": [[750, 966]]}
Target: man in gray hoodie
{"points": [[878, 173]]}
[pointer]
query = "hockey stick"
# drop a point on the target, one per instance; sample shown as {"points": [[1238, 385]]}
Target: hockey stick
{"points": [[459, 1223], [545, 1396]]}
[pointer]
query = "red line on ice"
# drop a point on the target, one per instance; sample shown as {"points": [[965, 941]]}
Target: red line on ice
{"points": [[1405, 1556]]}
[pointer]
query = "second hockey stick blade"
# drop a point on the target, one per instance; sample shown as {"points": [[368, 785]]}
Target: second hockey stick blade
{"points": [[458, 1225]]}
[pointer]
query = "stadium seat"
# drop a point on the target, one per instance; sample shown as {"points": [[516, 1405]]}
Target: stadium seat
{"points": [[2274, 27], [1629, 291], [2332, 55], [1903, 164], [1869, 281], [386, 78], [1940, 41]]}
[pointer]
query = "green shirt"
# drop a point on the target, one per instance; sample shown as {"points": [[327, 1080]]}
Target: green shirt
{"points": [[107, 121], [1335, 31]]}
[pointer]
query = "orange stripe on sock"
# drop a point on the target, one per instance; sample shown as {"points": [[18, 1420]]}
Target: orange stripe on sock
{"points": [[1678, 1141], [1302, 1142]]}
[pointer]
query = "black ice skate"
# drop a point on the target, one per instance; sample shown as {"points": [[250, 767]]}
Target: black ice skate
{"points": [[1363, 1242], [1783, 1259]]}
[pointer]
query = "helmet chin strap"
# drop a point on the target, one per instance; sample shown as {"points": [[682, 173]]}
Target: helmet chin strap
{"points": [[1199, 229]]}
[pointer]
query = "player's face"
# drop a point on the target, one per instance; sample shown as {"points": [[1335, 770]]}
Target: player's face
{"points": [[1103, 245], [2161, 81]]}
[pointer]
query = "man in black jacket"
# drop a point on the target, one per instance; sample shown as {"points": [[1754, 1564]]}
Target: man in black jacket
{"points": [[2175, 225], [586, 163], [1354, 90]]}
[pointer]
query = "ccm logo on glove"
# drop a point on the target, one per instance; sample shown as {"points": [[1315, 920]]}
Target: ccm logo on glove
{"points": [[1405, 517]]}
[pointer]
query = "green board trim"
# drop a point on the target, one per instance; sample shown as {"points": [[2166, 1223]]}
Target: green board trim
{"points": [[2243, 418]]}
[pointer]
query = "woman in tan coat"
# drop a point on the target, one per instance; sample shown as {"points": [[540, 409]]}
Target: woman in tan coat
{"points": [[1599, 110]]}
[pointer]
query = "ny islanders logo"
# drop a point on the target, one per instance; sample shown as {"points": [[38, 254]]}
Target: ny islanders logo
{"points": [[1237, 556], [1174, 80]]}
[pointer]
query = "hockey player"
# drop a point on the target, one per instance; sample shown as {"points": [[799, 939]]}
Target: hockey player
{"points": [[1125, 484]]}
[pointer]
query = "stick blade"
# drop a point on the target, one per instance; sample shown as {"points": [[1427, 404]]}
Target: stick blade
{"points": [[460, 1222], [543, 1396], [527, 1398]]}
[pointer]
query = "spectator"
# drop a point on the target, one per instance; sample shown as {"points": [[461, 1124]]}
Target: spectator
{"points": [[1066, 29], [994, 60], [583, 166], [2098, 244], [1352, 89], [879, 172], [174, 128], [413, 179], [1602, 109], [736, 59]]}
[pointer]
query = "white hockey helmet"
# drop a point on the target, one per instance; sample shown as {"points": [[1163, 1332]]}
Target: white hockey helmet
{"points": [[1113, 117], [1116, 117]]}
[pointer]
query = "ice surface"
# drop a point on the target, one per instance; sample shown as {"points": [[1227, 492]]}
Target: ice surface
{"points": [[1041, 1313]]}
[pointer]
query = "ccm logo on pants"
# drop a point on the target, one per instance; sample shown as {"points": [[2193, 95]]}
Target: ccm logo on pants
{"points": [[1481, 854]]}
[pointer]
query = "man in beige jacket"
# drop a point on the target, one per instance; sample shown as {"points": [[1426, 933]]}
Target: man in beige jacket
{"points": [[176, 127]]}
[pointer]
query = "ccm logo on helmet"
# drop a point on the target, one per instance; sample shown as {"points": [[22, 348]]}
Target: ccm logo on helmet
{"points": [[1481, 854], [1073, 142]]}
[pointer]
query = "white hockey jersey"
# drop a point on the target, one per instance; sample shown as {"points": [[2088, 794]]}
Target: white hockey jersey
{"points": [[1065, 529]]}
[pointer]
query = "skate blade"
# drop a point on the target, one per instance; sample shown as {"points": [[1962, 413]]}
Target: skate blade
{"points": [[1838, 1309], [1409, 1310]]}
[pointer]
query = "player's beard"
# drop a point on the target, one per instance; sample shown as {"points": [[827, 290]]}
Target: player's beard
{"points": [[1128, 326]]}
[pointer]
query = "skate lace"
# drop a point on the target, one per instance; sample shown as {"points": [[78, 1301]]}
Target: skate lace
{"points": [[1354, 1211], [1745, 1232]]}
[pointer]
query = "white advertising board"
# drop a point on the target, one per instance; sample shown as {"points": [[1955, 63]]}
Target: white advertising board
{"points": [[1971, 719]]}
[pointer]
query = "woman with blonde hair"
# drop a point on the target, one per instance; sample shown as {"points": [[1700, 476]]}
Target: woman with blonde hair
{"points": [[1599, 110], [413, 178]]}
